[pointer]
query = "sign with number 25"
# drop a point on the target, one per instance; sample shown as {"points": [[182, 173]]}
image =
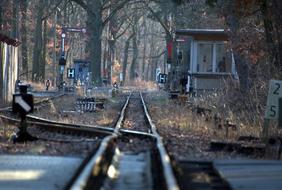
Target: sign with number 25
{"points": [[274, 93]]}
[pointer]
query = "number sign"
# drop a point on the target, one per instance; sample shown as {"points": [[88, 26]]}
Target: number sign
{"points": [[274, 93]]}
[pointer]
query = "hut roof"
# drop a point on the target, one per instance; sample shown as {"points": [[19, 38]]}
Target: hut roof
{"points": [[204, 34]]}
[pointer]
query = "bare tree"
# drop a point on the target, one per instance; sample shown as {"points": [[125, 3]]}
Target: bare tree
{"points": [[125, 56], [95, 24], [24, 46], [37, 50]]}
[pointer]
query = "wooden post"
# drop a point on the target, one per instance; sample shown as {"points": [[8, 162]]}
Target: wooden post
{"points": [[226, 132], [265, 130], [280, 113]]}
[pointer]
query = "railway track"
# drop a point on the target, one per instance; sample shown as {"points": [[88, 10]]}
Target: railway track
{"points": [[55, 126], [55, 138], [125, 160], [129, 156]]}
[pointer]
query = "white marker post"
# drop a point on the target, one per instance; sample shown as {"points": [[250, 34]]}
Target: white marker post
{"points": [[272, 107]]}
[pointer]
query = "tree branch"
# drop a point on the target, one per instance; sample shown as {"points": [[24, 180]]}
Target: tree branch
{"points": [[84, 6], [159, 20], [154, 57], [113, 12], [118, 36], [53, 10], [81, 3]]}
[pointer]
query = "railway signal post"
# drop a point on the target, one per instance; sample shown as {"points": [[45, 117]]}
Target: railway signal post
{"points": [[63, 61], [23, 104]]}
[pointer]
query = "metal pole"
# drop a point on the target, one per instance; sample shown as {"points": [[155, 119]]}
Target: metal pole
{"points": [[62, 67]]}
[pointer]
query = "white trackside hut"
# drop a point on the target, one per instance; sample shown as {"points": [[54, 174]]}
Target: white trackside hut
{"points": [[207, 57]]}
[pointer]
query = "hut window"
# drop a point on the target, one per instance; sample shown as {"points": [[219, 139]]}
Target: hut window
{"points": [[213, 57], [204, 58], [223, 59]]}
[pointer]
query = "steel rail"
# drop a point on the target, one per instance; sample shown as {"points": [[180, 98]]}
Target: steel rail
{"points": [[9, 118], [81, 129], [5, 109], [81, 181], [97, 158], [63, 126], [109, 130], [89, 128], [119, 122], [52, 122], [136, 133], [44, 94], [171, 183]]}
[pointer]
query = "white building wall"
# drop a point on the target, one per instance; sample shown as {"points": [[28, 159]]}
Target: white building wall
{"points": [[10, 71]]}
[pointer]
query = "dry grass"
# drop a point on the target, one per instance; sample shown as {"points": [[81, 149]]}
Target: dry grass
{"points": [[172, 114], [60, 108], [142, 85], [187, 135], [245, 112], [43, 146], [6, 131]]}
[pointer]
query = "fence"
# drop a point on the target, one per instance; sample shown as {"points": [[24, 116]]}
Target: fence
{"points": [[8, 67]]}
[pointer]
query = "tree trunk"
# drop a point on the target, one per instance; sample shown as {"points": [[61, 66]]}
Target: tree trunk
{"points": [[268, 27], [1, 15], [95, 28], [148, 71], [14, 22], [144, 50], [54, 70], [276, 11], [153, 71], [272, 14], [125, 58], [37, 51], [133, 71], [243, 71], [44, 51], [104, 62], [150, 61], [7, 7], [232, 20], [112, 44], [24, 47]]}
